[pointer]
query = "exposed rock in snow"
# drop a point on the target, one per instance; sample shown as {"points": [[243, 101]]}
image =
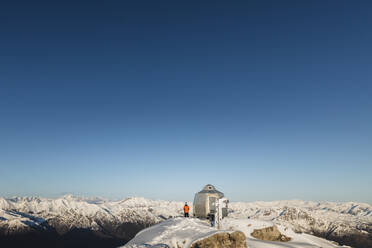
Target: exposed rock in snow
{"points": [[235, 233], [298, 240], [326, 219], [223, 240], [270, 233]]}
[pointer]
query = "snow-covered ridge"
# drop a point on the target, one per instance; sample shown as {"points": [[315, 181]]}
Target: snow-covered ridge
{"points": [[22, 214], [352, 208], [184, 232], [88, 206], [176, 232], [306, 216]]}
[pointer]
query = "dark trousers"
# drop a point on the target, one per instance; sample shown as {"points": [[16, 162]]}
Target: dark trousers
{"points": [[186, 214]]}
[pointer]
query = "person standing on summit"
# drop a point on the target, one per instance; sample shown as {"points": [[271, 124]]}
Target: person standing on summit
{"points": [[186, 210]]}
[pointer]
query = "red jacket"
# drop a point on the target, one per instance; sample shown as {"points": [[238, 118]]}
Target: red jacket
{"points": [[186, 209]]}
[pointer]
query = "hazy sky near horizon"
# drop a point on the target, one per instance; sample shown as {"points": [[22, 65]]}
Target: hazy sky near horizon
{"points": [[266, 100]]}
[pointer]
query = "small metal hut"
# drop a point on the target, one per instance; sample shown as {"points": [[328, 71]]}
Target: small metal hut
{"points": [[205, 202]]}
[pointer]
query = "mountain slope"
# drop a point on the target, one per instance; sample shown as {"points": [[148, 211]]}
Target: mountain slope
{"points": [[347, 223], [186, 232]]}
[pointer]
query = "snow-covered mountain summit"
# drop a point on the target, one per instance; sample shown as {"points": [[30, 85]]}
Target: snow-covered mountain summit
{"points": [[123, 219], [24, 214], [191, 232]]}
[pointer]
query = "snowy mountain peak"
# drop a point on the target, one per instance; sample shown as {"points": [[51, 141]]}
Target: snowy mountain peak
{"points": [[328, 219]]}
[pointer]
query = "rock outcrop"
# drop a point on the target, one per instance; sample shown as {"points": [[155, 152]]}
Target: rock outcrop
{"points": [[223, 240], [270, 234]]}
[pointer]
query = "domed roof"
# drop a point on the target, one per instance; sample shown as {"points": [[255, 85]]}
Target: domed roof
{"points": [[210, 189]]}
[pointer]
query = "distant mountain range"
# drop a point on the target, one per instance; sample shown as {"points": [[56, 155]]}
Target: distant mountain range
{"points": [[347, 223], [74, 221]]}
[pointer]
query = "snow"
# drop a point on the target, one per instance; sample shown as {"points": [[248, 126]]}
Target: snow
{"points": [[247, 226], [304, 216], [177, 232], [183, 232], [19, 213]]}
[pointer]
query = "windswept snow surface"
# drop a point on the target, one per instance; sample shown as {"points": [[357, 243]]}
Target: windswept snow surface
{"points": [[177, 232], [247, 226], [182, 232]]}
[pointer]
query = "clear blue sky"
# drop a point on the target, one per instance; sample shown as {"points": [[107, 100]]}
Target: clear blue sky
{"points": [[266, 100]]}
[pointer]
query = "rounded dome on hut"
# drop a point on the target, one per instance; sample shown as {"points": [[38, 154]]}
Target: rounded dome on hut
{"points": [[204, 201]]}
